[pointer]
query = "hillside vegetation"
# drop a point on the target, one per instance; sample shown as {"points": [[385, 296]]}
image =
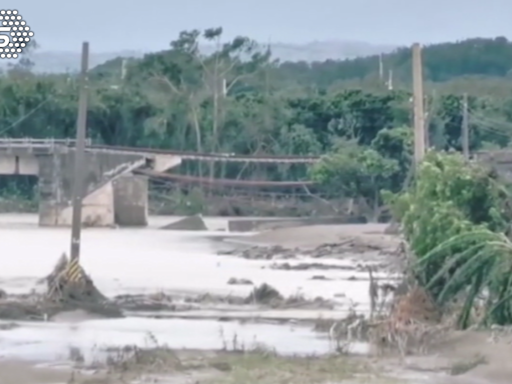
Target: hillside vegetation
{"points": [[238, 99]]}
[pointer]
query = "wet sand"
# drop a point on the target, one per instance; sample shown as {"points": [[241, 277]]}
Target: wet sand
{"points": [[314, 236], [19, 372], [455, 361]]}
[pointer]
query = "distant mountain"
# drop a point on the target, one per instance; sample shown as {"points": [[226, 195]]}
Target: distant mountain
{"points": [[325, 50], [55, 61]]}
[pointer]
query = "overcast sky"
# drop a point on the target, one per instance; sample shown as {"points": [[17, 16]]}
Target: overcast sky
{"points": [[114, 25]]}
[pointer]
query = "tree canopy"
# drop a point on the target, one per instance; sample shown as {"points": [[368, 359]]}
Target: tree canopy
{"points": [[238, 99]]}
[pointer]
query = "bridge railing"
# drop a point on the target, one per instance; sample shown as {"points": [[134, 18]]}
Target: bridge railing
{"points": [[49, 143], [31, 142]]}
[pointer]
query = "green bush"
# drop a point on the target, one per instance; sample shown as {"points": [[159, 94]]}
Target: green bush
{"points": [[455, 218]]}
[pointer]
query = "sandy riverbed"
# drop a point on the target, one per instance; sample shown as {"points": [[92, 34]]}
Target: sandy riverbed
{"points": [[314, 236]]}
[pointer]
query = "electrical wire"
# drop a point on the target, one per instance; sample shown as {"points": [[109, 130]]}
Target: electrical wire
{"points": [[24, 117], [490, 125]]}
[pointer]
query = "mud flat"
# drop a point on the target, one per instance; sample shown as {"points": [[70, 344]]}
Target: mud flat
{"points": [[316, 235], [462, 358], [180, 367]]}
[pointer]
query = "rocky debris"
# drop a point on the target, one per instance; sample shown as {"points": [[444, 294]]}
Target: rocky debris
{"points": [[263, 253], [208, 298], [21, 307], [190, 223], [37, 307], [320, 277], [267, 295], [307, 266], [298, 301], [351, 247], [154, 302], [264, 294], [387, 257], [235, 281]]}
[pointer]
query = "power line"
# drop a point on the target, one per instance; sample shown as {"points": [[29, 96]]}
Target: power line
{"points": [[25, 116], [490, 126]]}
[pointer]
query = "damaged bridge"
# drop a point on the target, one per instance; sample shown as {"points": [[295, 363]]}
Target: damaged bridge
{"points": [[112, 195]]}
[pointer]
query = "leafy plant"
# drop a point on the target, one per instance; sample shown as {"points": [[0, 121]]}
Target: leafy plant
{"points": [[455, 218]]}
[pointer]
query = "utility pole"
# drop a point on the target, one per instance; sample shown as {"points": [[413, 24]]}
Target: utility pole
{"points": [[381, 69], [123, 69], [465, 127], [426, 121], [390, 80], [419, 118], [80, 155]]}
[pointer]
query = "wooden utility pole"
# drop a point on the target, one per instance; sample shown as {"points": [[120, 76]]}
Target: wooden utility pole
{"points": [[390, 80], [426, 121], [80, 156], [465, 127], [419, 114], [381, 69]]}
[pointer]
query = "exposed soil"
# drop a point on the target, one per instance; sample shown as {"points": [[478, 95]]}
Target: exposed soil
{"points": [[461, 358]]}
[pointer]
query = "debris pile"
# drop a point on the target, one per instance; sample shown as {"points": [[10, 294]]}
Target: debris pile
{"points": [[264, 294], [69, 287], [262, 253]]}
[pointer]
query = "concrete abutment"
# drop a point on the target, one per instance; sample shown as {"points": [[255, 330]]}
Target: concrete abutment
{"points": [[131, 201], [113, 195]]}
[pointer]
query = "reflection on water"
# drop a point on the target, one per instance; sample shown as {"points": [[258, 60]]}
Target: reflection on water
{"points": [[51, 342]]}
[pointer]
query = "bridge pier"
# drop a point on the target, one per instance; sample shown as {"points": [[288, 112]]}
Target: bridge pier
{"points": [[131, 201], [108, 185]]}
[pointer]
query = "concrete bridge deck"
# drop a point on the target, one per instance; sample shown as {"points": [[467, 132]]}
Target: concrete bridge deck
{"points": [[112, 193], [47, 145]]}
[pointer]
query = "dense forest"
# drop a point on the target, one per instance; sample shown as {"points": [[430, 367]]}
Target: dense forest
{"points": [[355, 113]]}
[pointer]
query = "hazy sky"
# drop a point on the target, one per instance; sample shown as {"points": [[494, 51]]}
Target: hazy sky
{"points": [[113, 25]]}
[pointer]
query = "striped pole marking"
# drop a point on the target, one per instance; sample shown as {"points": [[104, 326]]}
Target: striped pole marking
{"points": [[74, 272]]}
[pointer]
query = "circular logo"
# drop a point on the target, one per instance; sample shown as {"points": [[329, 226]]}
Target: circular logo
{"points": [[15, 34]]}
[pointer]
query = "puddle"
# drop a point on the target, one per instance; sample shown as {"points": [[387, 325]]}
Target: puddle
{"points": [[52, 342]]}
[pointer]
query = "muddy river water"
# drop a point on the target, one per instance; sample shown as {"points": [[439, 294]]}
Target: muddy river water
{"points": [[138, 261]]}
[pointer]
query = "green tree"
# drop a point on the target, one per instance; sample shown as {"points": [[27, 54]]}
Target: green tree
{"points": [[358, 173]]}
